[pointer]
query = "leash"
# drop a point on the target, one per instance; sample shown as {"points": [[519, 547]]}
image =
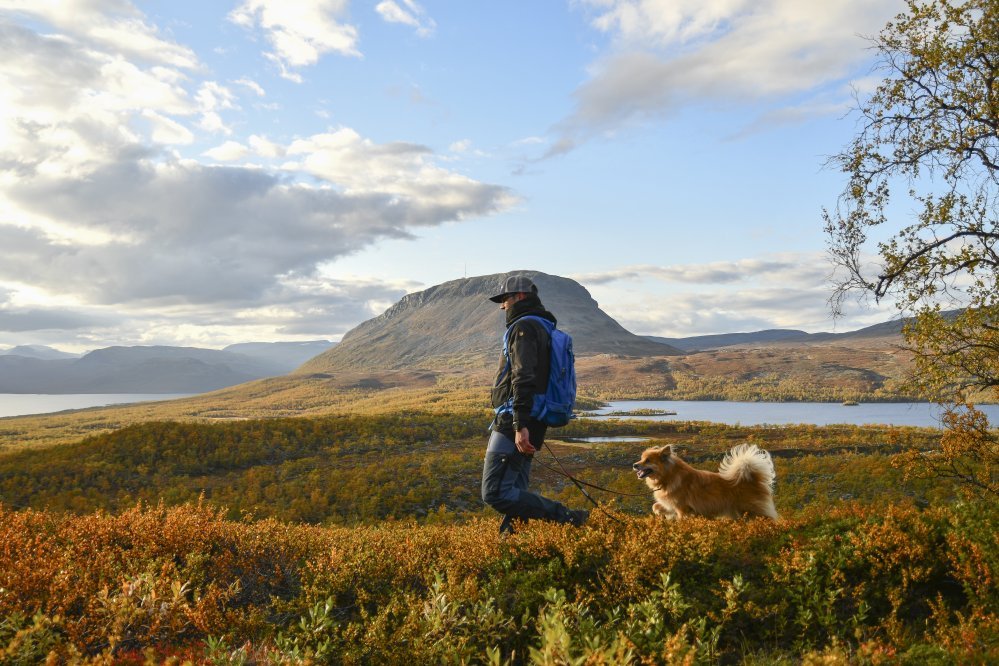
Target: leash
{"points": [[580, 484], [561, 472]]}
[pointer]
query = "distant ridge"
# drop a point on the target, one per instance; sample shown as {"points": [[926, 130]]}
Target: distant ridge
{"points": [[40, 352], [889, 328], [149, 369], [285, 355], [454, 325], [701, 342]]}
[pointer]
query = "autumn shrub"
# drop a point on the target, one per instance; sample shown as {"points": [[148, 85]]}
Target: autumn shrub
{"points": [[871, 583]]}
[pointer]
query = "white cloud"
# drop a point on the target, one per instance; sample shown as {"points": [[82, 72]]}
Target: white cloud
{"points": [[787, 290], [663, 22], [229, 151], [212, 96], [65, 107], [300, 31], [182, 232], [114, 25], [410, 14], [99, 219], [166, 130], [404, 171], [778, 269], [675, 53], [252, 85], [265, 147]]}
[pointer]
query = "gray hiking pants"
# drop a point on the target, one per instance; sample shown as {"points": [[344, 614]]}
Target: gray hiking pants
{"points": [[505, 476]]}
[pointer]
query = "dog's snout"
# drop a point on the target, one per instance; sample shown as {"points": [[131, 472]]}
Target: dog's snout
{"points": [[634, 465]]}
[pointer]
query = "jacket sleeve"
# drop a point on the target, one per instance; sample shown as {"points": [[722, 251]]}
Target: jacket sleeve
{"points": [[525, 343]]}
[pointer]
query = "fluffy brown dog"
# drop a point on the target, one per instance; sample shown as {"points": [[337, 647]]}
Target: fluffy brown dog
{"points": [[743, 485]]}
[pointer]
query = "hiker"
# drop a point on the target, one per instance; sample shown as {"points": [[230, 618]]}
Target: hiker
{"points": [[515, 436]]}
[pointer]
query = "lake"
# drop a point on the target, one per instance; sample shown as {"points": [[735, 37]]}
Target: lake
{"points": [[20, 404], [785, 413]]}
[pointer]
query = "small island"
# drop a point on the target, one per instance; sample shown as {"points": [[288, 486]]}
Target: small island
{"points": [[641, 412]]}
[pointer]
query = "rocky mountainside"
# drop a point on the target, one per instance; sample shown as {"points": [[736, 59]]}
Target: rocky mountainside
{"points": [[454, 325]]}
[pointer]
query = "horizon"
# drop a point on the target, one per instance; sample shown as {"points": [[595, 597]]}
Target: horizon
{"points": [[202, 175]]}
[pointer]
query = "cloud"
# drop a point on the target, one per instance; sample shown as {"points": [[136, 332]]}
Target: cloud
{"points": [[196, 233], [230, 151], [166, 130], [676, 54], [778, 268], [97, 213], [252, 86], [265, 147], [411, 14], [65, 106], [34, 319], [112, 25], [782, 291], [317, 307], [299, 32], [404, 171]]}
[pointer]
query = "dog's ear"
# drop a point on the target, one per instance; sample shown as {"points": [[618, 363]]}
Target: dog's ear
{"points": [[666, 451]]}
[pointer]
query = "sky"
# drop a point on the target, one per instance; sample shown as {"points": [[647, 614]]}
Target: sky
{"points": [[206, 173]]}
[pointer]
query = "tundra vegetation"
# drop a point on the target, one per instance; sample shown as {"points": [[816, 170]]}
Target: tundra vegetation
{"points": [[361, 540], [357, 537]]}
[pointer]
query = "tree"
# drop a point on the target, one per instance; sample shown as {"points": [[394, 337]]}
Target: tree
{"points": [[931, 130]]}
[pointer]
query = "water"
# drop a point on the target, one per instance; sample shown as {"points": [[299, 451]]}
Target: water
{"points": [[784, 413], [20, 404]]}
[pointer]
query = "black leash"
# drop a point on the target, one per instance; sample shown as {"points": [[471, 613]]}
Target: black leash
{"points": [[561, 472], [580, 484]]}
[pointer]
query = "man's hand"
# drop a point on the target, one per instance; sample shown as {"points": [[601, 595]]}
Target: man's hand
{"points": [[523, 442]]}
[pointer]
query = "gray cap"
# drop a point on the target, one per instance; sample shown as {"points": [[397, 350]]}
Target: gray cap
{"points": [[514, 284]]}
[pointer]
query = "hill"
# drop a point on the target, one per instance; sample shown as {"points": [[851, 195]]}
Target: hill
{"points": [[149, 369], [37, 351], [887, 329], [454, 325], [284, 355], [701, 342]]}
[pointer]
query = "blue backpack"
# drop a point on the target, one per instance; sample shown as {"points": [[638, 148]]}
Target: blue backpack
{"points": [[554, 406]]}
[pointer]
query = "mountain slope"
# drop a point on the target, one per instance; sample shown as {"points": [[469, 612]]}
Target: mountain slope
{"points": [[454, 325]]}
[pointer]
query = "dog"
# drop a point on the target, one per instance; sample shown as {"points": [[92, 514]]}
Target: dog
{"points": [[742, 486]]}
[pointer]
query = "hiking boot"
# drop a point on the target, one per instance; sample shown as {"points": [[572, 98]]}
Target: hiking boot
{"points": [[506, 527], [578, 517]]}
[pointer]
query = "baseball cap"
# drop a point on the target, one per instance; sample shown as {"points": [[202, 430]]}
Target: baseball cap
{"points": [[514, 284]]}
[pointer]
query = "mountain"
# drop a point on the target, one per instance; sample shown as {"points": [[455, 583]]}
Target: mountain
{"points": [[143, 369], [37, 351], [286, 355], [892, 328], [454, 325], [701, 342]]}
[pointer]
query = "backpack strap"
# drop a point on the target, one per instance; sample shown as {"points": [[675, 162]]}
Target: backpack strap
{"points": [[549, 326]]}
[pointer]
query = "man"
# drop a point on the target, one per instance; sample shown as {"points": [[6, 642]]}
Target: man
{"points": [[515, 436]]}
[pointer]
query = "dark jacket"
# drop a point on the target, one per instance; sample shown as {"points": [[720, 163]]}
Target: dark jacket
{"points": [[529, 363]]}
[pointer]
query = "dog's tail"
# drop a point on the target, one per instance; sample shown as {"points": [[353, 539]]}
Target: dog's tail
{"points": [[749, 463]]}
